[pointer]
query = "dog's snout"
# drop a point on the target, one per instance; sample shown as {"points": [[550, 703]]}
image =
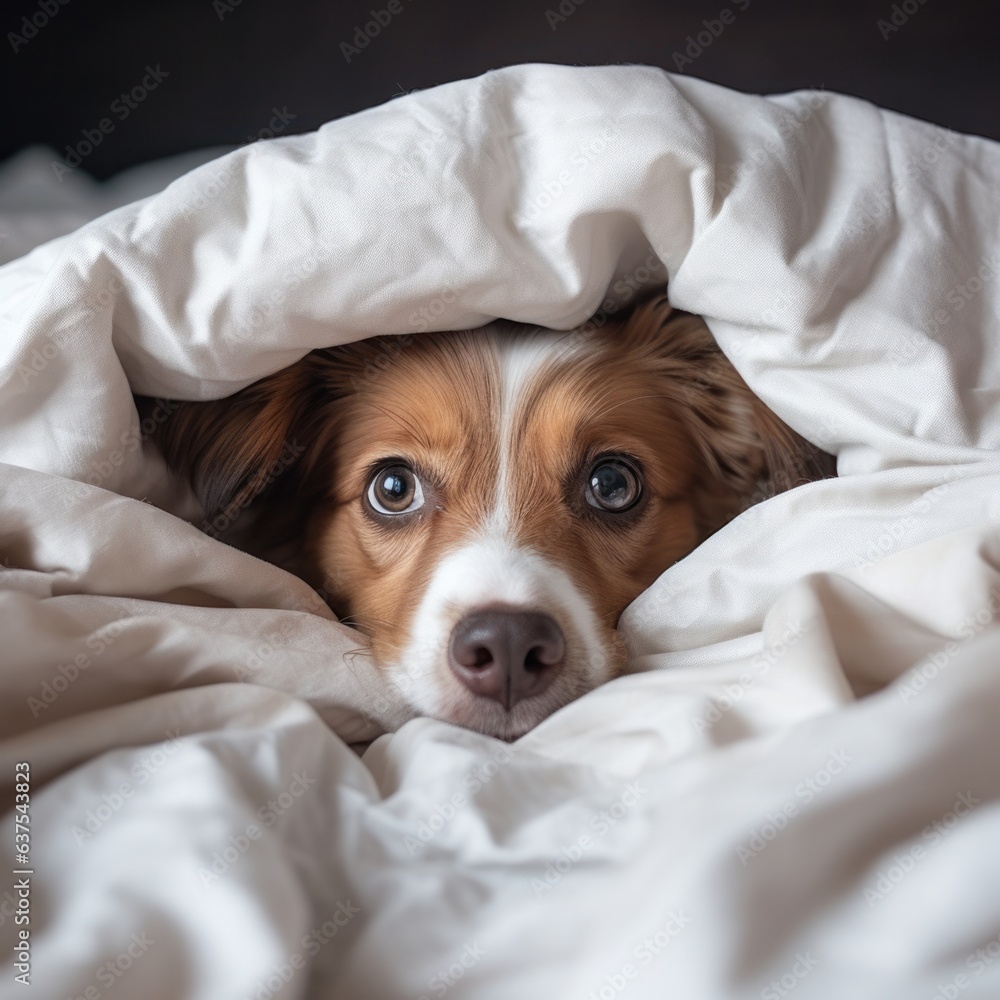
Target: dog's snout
{"points": [[507, 655]]}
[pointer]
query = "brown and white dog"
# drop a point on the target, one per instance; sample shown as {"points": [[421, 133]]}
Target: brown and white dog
{"points": [[483, 505]]}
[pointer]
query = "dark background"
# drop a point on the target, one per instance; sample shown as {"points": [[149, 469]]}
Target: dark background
{"points": [[229, 68]]}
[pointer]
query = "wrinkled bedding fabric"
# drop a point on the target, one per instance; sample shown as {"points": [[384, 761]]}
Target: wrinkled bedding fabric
{"points": [[797, 787]]}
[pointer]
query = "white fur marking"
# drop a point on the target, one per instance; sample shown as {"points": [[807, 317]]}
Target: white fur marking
{"points": [[492, 568], [521, 359], [487, 571]]}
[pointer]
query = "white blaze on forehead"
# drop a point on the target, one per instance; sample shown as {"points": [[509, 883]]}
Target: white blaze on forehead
{"points": [[492, 569], [522, 359]]}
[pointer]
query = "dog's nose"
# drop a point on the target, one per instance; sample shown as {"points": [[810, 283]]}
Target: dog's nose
{"points": [[507, 655]]}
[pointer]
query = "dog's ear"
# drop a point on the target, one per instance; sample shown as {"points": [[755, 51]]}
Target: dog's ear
{"points": [[233, 450], [747, 451]]}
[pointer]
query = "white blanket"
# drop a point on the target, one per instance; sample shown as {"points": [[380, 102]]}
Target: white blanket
{"points": [[728, 822]]}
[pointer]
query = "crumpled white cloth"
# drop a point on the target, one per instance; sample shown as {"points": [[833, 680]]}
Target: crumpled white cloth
{"points": [[730, 821]]}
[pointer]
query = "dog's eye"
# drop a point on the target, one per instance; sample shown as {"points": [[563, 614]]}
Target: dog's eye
{"points": [[613, 485], [394, 489]]}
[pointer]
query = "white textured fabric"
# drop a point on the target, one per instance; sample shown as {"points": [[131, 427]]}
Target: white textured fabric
{"points": [[798, 788], [41, 197]]}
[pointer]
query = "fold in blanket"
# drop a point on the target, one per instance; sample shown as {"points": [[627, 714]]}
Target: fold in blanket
{"points": [[730, 820]]}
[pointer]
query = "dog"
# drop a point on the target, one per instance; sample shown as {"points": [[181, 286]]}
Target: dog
{"points": [[483, 505]]}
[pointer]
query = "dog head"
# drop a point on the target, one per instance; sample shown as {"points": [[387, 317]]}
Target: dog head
{"points": [[483, 505]]}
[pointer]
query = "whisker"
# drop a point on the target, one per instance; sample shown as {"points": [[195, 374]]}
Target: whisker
{"points": [[364, 622], [633, 399]]}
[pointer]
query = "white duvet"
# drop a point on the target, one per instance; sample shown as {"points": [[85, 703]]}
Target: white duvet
{"points": [[796, 793]]}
